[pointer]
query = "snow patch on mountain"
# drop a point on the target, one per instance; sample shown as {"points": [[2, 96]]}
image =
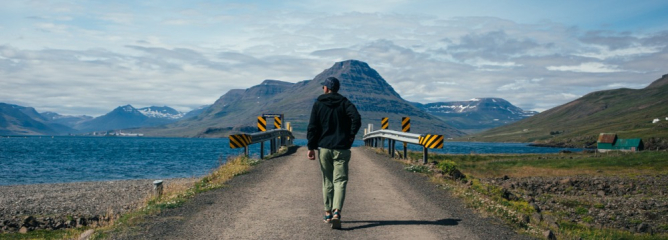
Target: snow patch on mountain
{"points": [[161, 112]]}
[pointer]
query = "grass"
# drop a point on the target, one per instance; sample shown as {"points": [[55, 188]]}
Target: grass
{"points": [[488, 198], [175, 194], [518, 165]]}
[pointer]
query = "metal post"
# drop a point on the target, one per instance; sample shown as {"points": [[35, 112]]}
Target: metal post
{"points": [[405, 151], [392, 143], [246, 150], [425, 155], [261, 150], [271, 146]]}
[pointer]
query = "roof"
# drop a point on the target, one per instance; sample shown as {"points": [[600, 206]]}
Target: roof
{"points": [[607, 138]]}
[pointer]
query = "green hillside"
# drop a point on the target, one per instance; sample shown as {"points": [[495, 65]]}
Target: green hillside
{"points": [[627, 112]]}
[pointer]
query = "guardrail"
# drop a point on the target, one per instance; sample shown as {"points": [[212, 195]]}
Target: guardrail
{"points": [[276, 138], [377, 139]]}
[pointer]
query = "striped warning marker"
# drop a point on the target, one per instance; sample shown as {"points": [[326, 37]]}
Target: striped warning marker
{"points": [[277, 122], [384, 123], [431, 141], [261, 124], [239, 140], [405, 124]]}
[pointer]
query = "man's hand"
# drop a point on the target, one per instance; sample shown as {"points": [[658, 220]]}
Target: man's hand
{"points": [[311, 154]]}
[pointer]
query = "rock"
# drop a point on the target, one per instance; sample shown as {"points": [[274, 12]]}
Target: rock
{"points": [[81, 222], [30, 221], [535, 206], [566, 181], [642, 228], [601, 193], [525, 219], [87, 234], [549, 235], [536, 218], [23, 230], [551, 221]]}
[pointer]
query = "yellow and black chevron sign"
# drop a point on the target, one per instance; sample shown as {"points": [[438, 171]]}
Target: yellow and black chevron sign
{"points": [[261, 124], [277, 122], [239, 140], [384, 123], [431, 141], [405, 124]]}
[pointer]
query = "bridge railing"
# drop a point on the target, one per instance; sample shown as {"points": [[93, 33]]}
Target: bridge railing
{"points": [[377, 139], [276, 138]]}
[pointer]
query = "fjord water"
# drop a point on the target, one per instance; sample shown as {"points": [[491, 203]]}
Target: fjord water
{"points": [[32, 160]]}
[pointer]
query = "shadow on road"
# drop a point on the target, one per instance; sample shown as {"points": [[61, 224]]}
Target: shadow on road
{"points": [[291, 149], [442, 222]]}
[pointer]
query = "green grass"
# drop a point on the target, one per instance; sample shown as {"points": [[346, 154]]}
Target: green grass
{"points": [[489, 197], [557, 164], [44, 234]]}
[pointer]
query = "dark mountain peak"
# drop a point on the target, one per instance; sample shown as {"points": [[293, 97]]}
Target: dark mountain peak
{"points": [[659, 82], [126, 108], [271, 82], [357, 78]]}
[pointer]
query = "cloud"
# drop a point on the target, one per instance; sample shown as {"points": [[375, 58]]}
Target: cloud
{"points": [[94, 56], [588, 67]]}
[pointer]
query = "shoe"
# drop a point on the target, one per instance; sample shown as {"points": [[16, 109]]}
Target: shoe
{"points": [[328, 218], [336, 220]]}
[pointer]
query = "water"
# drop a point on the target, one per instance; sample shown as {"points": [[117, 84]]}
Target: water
{"points": [[31, 160]]}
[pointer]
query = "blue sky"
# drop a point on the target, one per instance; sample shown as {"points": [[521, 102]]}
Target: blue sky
{"points": [[88, 57]]}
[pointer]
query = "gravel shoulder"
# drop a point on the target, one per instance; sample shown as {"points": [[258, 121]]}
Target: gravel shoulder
{"points": [[63, 205], [282, 199]]}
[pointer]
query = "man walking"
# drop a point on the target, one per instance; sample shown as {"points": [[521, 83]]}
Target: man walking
{"points": [[332, 128]]}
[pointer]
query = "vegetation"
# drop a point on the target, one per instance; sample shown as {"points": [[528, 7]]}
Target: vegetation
{"points": [[525, 165], [493, 200], [174, 195], [627, 112]]}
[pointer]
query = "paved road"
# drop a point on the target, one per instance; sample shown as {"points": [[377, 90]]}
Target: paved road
{"points": [[282, 199]]}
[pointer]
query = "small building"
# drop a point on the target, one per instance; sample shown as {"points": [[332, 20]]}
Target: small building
{"points": [[609, 142], [656, 120]]}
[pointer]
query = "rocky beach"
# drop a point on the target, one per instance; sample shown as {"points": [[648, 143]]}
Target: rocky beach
{"points": [[66, 205]]}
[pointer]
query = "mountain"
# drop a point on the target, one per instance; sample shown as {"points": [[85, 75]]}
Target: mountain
{"points": [[161, 112], [237, 110], [69, 121], [19, 120], [124, 117], [195, 112], [476, 114], [627, 112]]}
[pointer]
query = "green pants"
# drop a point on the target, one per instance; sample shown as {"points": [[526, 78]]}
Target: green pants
{"points": [[334, 168]]}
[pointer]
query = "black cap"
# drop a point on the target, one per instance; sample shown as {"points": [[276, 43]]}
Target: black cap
{"points": [[332, 83]]}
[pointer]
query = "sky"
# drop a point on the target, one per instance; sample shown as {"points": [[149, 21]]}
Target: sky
{"points": [[89, 57]]}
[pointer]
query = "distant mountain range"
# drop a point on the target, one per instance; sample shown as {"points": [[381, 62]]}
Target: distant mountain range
{"points": [[476, 114], [237, 110], [631, 113], [19, 120]]}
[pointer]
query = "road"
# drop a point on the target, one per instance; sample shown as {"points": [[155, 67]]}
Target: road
{"points": [[282, 199]]}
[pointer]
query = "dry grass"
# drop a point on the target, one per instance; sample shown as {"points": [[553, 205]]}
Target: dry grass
{"points": [[175, 193]]}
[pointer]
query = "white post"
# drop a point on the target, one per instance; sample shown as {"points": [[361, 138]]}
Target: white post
{"points": [[157, 187]]}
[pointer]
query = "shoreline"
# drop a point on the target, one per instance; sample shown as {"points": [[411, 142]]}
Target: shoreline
{"points": [[66, 205]]}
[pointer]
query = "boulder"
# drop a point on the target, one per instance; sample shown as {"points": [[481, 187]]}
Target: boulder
{"points": [[549, 235]]}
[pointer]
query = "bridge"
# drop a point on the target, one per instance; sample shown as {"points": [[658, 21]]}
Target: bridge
{"points": [[282, 199]]}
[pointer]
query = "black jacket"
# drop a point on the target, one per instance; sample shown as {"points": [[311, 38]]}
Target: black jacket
{"points": [[334, 120]]}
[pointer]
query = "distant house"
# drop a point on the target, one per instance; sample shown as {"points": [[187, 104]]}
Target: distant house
{"points": [[656, 120], [609, 142]]}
